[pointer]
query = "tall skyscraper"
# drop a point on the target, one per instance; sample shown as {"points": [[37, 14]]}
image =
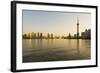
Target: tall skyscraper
{"points": [[52, 36], [41, 35], [38, 36], [48, 36], [35, 35], [77, 28]]}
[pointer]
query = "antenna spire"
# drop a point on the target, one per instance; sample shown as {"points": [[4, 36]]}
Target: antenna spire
{"points": [[77, 21]]}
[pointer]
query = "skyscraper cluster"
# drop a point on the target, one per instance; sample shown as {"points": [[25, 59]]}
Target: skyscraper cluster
{"points": [[38, 35], [84, 35]]}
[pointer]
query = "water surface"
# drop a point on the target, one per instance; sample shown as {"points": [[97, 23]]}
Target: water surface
{"points": [[41, 50]]}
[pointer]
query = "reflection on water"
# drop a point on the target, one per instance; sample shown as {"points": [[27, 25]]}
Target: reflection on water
{"points": [[78, 50], [40, 50]]}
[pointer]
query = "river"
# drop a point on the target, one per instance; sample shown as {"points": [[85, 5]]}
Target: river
{"points": [[42, 50]]}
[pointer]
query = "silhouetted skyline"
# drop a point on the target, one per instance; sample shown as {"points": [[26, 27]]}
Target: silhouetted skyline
{"points": [[86, 34], [59, 23]]}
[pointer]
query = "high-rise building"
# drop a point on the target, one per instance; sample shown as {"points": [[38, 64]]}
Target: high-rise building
{"points": [[51, 36], [69, 36], [41, 36], [48, 35], [34, 35], [38, 35], [29, 35], [77, 28], [24, 36], [86, 34]]}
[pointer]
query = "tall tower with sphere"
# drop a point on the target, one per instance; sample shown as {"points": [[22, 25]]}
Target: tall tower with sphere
{"points": [[77, 28]]}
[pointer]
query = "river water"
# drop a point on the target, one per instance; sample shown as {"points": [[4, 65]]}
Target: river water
{"points": [[41, 50]]}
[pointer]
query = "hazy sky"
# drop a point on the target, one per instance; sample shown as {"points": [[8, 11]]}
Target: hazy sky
{"points": [[59, 23]]}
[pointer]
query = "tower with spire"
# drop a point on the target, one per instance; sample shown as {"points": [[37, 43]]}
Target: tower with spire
{"points": [[77, 28]]}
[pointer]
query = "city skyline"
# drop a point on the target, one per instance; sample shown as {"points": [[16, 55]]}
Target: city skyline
{"points": [[59, 23], [86, 34]]}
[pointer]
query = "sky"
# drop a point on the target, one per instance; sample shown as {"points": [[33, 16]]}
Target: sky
{"points": [[58, 23]]}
